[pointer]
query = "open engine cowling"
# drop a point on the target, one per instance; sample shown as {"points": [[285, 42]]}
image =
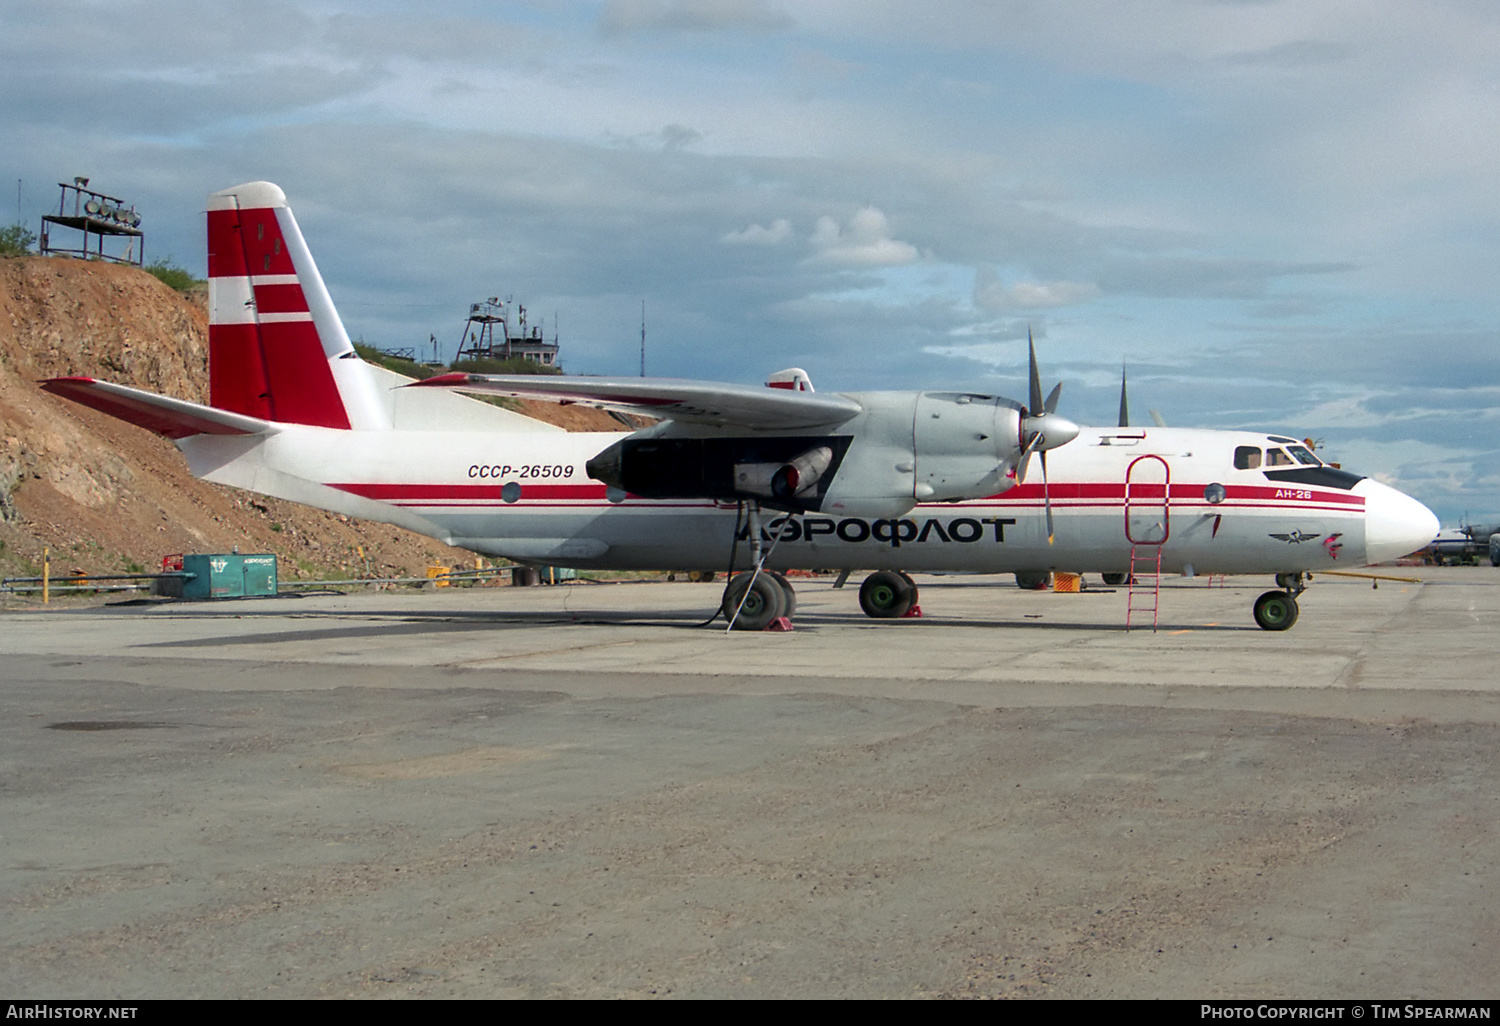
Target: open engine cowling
{"points": [[785, 471]]}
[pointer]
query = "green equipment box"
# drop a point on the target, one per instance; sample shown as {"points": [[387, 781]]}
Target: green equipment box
{"points": [[229, 576]]}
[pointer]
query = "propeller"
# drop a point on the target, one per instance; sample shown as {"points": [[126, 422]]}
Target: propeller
{"points": [[1042, 429]]}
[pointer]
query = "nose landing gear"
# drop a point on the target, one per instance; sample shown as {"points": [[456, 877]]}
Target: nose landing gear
{"points": [[1277, 610]]}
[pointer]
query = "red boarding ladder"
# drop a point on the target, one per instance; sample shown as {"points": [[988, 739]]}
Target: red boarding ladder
{"points": [[1144, 590], [1148, 525]]}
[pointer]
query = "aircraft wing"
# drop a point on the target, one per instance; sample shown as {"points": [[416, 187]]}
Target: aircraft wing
{"points": [[173, 418], [690, 402]]}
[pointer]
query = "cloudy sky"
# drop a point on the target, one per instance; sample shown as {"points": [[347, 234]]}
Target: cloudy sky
{"points": [[1281, 214]]}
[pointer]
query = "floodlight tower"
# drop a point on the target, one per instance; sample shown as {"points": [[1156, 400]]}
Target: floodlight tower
{"points": [[99, 215]]}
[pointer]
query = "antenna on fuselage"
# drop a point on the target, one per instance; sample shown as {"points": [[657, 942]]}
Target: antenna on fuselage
{"points": [[643, 338], [1124, 406]]}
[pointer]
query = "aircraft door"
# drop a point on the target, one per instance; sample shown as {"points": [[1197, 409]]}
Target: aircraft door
{"points": [[1148, 482]]}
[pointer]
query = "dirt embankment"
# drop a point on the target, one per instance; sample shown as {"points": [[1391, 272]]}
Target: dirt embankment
{"points": [[105, 496]]}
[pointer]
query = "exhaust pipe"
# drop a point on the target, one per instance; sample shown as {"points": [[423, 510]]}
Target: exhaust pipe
{"points": [[783, 481]]}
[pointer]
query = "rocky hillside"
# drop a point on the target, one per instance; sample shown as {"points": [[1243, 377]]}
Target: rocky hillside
{"points": [[108, 497]]}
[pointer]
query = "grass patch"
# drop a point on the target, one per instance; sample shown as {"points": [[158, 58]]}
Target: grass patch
{"points": [[169, 274], [16, 240], [515, 365]]}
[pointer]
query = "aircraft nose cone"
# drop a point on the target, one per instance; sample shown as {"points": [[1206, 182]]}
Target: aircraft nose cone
{"points": [[1395, 523]]}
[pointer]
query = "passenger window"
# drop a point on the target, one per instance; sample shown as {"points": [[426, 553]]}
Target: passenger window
{"points": [[1277, 458], [1303, 456], [1246, 457]]}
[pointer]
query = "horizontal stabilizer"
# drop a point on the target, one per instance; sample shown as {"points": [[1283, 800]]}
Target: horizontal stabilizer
{"points": [[691, 402], [172, 418]]}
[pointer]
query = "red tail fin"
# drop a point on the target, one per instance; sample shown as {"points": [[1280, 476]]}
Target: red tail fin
{"points": [[277, 350]]}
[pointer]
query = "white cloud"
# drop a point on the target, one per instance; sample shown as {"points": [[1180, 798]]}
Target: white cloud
{"points": [[991, 293], [758, 235], [865, 242]]}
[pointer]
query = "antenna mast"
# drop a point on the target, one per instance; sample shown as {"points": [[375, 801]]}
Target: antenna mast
{"points": [[643, 338]]}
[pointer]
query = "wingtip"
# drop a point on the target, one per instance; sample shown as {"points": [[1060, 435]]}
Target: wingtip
{"points": [[52, 384], [441, 380]]}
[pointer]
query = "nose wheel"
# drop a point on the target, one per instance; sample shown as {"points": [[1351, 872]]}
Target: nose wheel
{"points": [[1277, 610]]}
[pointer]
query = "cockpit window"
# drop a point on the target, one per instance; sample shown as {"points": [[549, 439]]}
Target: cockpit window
{"points": [[1246, 457], [1277, 458], [1303, 456]]}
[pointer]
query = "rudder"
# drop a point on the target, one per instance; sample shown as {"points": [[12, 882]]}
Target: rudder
{"points": [[277, 349]]}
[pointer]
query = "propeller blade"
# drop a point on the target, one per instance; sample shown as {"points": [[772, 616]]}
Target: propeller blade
{"points": [[1047, 499], [1036, 378], [1124, 406], [1023, 462], [1041, 429]]}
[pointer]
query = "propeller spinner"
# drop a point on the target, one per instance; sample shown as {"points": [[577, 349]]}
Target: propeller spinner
{"points": [[1042, 429]]}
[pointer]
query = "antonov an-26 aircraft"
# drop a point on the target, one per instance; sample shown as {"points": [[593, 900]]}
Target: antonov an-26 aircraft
{"points": [[759, 479]]}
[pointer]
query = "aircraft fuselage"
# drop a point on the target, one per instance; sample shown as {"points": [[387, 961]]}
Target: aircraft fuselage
{"points": [[528, 497]]}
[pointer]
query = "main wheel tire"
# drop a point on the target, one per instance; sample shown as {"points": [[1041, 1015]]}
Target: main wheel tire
{"points": [[885, 595], [789, 607], [1115, 580], [763, 599], [1033, 580], [916, 593], [1276, 611]]}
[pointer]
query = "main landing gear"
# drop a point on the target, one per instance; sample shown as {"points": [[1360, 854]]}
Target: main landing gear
{"points": [[1277, 610], [756, 599], [753, 601], [887, 594]]}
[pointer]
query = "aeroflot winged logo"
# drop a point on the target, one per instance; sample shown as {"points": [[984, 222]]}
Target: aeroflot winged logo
{"points": [[1296, 537]]}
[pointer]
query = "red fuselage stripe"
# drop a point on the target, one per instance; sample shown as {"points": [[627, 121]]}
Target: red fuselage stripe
{"points": [[1106, 497]]}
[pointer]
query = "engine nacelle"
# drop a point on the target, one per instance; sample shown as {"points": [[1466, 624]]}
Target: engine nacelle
{"points": [[903, 448], [914, 447]]}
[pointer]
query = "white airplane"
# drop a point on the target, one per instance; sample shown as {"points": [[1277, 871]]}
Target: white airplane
{"points": [[883, 481]]}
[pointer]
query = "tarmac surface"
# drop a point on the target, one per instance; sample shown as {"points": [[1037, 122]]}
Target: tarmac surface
{"points": [[579, 791]]}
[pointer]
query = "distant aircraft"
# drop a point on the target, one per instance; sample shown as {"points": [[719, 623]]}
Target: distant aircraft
{"points": [[1466, 544], [757, 479]]}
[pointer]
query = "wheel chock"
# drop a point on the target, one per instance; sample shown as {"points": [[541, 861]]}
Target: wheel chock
{"points": [[1065, 583], [914, 613], [781, 623]]}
